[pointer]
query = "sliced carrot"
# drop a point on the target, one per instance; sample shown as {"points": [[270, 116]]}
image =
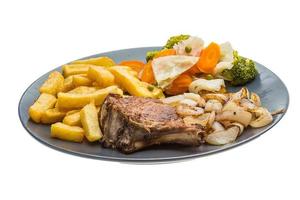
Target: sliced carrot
{"points": [[194, 70], [147, 73], [209, 58], [165, 52], [180, 84], [136, 65]]}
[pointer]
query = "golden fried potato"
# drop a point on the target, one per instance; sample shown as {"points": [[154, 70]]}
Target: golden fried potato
{"points": [[72, 112], [73, 101], [73, 119], [66, 132], [68, 84], [81, 80], [102, 76], [52, 115], [132, 84], [83, 90], [53, 84], [90, 122], [43, 103], [100, 61], [73, 69]]}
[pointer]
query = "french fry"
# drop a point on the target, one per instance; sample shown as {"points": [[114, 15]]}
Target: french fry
{"points": [[73, 69], [83, 90], [100, 61], [66, 132], [43, 103], [102, 76], [68, 84], [73, 101], [73, 119], [52, 115], [90, 122], [53, 84], [126, 80], [81, 80], [72, 112]]}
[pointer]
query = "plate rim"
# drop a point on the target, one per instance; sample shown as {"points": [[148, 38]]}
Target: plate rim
{"points": [[147, 160]]}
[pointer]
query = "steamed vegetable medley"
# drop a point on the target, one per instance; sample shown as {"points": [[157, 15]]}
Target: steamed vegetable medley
{"points": [[193, 75]]}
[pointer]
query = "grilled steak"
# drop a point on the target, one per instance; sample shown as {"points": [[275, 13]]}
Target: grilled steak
{"points": [[133, 123]]}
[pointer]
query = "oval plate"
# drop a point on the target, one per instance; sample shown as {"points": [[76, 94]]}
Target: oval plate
{"points": [[267, 85]]}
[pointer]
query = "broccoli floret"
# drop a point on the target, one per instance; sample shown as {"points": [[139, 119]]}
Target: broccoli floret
{"points": [[169, 45], [150, 55], [175, 40], [242, 72]]}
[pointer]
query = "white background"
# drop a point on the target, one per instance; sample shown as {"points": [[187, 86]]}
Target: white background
{"points": [[37, 36]]}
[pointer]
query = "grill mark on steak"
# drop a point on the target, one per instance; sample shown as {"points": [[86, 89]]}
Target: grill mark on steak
{"points": [[133, 123]]}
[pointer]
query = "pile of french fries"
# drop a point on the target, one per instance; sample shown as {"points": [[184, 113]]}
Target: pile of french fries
{"points": [[70, 101]]}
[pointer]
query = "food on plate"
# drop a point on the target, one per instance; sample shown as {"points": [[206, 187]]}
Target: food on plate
{"points": [[101, 75], [81, 80], [133, 123], [72, 118], [90, 122], [74, 101], [66, 132], [190, 47], [99, 61], [179, 85], [53, 84], [175, 40], [199, 85], [68, 84], [132, 84], [151, 54], [136, 65], [43, 103], [147, 75], [83, 90], [178, 96], [209, 58], [242, 71], [72, 69], [222, 137], [52, 115], [166, 69]]}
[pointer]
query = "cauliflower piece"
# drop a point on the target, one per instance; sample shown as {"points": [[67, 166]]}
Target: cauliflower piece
{"points": [[213, 85], [226, 59], [190, 47]]}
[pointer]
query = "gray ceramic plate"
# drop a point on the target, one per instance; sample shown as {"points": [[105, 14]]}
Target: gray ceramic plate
{"points": [[271, 89]]}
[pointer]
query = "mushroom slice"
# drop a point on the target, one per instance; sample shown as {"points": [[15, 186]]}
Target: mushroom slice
{"points": [[188, 102], [195, 97], [201, 120], [262, 117], [220, 97], [223, 137], [240, 116], [241, 126], [247, 104], [174, 100], [255, 99], [213, 105], [231, 106], [211, 118], [217, 126], [243, 93], [185, 110]]}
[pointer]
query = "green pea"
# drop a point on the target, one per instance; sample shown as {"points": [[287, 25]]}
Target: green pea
{"points": [[188, 49], [209, 77], [150, 88]]}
